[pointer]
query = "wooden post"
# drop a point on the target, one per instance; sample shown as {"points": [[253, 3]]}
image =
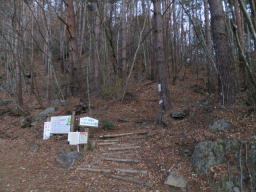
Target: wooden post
{"points": [[73, 121]]}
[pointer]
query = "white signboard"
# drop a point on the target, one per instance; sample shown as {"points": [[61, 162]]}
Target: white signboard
{"points": [[60, 124], [76, 138], [47, 130], [88, 121]]}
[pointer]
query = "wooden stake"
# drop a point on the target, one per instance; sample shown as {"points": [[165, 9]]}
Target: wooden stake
{"points": [[73, 119]]}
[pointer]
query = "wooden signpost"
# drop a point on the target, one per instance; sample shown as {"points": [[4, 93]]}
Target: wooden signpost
{"points": [[68, 125], [80, 138]]}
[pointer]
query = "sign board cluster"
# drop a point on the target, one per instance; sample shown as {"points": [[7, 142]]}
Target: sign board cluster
{"points": [[62, 125]]}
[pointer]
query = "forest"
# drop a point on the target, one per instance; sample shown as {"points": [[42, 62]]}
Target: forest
{"points": [[172, 83]]}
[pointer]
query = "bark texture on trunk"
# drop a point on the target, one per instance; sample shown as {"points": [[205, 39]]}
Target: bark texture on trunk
{"points": [[165, 100], [17, 8], [211, 87], [224, 61], [124, 37], [76, 83], [96, 52]]}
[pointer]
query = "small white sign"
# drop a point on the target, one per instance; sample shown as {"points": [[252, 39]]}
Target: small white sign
{"points": [[159, 88], [60, 124], [88, 121], [76, 138], [47, 130], [161, 101]]}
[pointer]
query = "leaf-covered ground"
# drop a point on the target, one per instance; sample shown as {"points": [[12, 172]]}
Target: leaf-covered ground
{"points": [[27, 163]]}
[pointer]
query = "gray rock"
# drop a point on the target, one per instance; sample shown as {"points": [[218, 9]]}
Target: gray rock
{"points": [[26, 122], [8, 85], [64, 150], [56, 102], [3, 111], [207, 154], [43, 115], [186, 152], [236, 189], [220, 125], [27, 74], [67, 160], [198, 89], [211, 153], [5, 102], [202, 102], [176, 180], [178, 115]]}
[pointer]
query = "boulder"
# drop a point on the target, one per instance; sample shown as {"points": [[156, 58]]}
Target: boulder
{"points": [[178, 115], [43, 115], [8, 85], [3, 111], [198, 89], [26, 122], [207, 154], [68, 159], [236, 189], [27, 74], [202, 102], [220, 125], [213, 153], [56, 102], [175, 180], [5, 102]]}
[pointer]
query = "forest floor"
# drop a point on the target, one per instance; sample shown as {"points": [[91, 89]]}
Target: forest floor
{"points": [[28, 163]]}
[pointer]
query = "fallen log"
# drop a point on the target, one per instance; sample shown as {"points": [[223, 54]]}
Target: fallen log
{"points": [[122, 148], [96, 170], [122, 160], [131, 180], [132, 171], [120, 153], [121, 135], [104, 144], [100, 170]]}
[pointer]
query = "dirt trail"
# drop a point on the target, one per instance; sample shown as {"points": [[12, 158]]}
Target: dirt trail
{"points": [[28, 164]]}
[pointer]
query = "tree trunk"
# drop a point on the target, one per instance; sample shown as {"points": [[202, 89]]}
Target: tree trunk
{"points": [[124, 37], [224, 61], [211, 87], [76, 81], [242, 43], [153, 67], [96, 52], [165, 100], [239, 24], [17, 18]]}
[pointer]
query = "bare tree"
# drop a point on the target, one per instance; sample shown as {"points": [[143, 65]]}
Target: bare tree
{"points": [[76, 81], [17, 20], [211, 87], [96, 52], [165, 100], [224, 62], [124, 38]]}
